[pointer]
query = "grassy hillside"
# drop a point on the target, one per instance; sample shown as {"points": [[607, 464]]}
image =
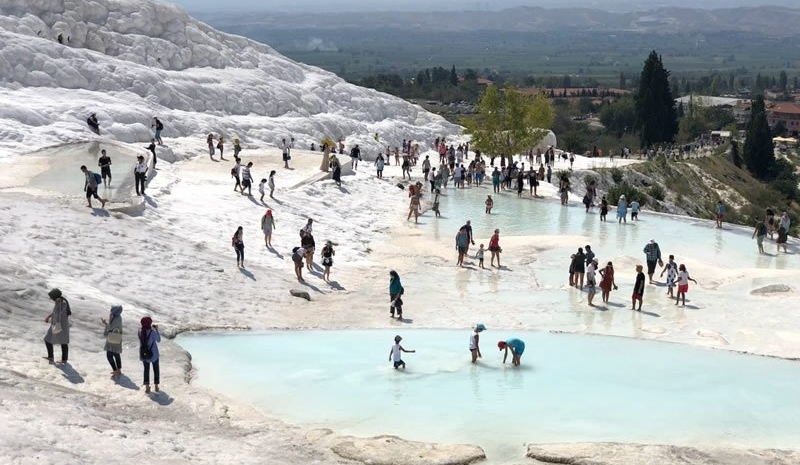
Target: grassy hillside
{"points": [[693, 187]]}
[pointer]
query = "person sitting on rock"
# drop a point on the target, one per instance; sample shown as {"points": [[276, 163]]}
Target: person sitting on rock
{"points": [[93, 123]]}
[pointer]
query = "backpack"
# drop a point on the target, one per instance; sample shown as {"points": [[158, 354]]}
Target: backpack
{"points": [[145, 351], [159, 126], [233, 172], [97, 178]]}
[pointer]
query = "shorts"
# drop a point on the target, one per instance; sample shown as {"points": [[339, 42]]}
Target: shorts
{"points": [[91, 192], [719, 216], [297, 258], [636, 296], [634, 215], [651, 267], [399, 363], [246, 183], [105, 172], [760, 239], [683, 288], [286, 157]]}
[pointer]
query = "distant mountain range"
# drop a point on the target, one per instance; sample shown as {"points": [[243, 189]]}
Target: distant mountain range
{"points": [[771, 21]]}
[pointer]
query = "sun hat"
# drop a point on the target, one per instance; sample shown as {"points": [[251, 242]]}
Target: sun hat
{"points": [[501, 345], [54, 293], [480, 327]]}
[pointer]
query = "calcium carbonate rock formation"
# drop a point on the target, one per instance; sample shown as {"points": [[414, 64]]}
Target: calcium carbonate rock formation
{"points": [[137, 59]]}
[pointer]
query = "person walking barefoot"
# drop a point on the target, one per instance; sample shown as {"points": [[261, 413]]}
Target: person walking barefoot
{"points": [[267, 225], [58, 331], [327, 254], [683, 284], [494, 247], [395, 353], [113, 335], [638, 289], [591, 271], [607, 283], [149, 338], [396, 292], [237, 241], [489, 205]]}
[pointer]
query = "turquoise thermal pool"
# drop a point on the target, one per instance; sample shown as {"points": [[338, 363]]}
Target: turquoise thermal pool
{"points": [[570, 388]]}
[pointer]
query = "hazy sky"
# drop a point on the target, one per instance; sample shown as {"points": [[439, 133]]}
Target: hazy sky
{"points": [[295, 6]]}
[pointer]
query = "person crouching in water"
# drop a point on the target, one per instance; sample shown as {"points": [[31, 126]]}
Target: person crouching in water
{"points": [[474, 347], [395, 353], [516, 346]]}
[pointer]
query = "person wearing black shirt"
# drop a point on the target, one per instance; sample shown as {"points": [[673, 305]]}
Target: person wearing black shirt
{"points": [[152, 149], [104, 162]]}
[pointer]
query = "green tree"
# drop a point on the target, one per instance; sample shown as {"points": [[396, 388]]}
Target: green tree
{"points": [[736, 157], [783, 82], [759, 153], [619, 116], [508, 123], [453, 76], [622, 81], [656, 117]]}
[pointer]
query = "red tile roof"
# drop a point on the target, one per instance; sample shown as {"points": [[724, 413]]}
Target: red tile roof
{"points": [[787, 108]]}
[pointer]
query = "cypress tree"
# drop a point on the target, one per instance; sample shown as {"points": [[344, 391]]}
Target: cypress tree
{"points": [[656, 117], [453, 76], [759, 153]]}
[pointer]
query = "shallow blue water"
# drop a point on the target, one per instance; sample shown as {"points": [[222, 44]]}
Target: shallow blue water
{"points": [[730, 247], [569, 388]]}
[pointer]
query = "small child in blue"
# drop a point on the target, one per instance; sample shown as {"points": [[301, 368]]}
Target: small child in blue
{"points": [[634, 211], [517, 347], [394, 353]]}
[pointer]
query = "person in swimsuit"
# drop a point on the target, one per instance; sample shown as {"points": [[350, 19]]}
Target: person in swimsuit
{"points": [[395, 353], [474, 340], [494, 247], [516, 346]]}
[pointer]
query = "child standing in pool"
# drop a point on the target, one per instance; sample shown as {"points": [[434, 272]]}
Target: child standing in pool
{"points": [[638, 289], [683, 284], [489, 204], [479, 256], [474, 348], [672, 274], [395, 353]]}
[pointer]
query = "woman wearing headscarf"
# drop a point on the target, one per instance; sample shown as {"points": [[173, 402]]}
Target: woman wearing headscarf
{"points": [[148, 352], [395, 295], [113, 334], [58, 333]]}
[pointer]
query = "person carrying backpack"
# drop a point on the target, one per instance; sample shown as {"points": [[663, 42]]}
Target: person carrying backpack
{"points": [[158, 126], [58, 332], [90, 186], [149, 338]]}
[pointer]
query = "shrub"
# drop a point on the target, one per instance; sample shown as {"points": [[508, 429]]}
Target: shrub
{"points": [[631, 193], [616, 174], [657, 192], [588, 180]]}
